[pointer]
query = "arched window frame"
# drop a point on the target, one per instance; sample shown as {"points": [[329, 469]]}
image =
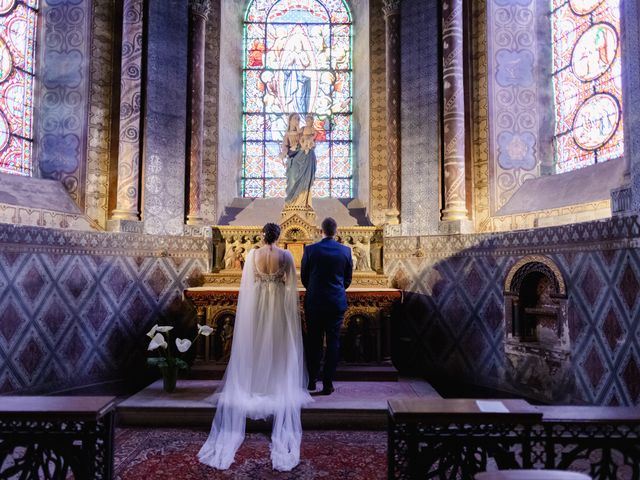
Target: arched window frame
{"points": [[334, 175]]}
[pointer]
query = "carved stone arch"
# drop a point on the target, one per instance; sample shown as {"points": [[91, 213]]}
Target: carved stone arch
{"points": [[530, 264], [537, 341]]}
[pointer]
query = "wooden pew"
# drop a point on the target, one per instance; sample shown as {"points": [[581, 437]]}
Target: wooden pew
{"points": [[458, 438], [56, 437]]}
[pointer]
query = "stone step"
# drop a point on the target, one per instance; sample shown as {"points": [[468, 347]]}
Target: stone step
{"points": [[351, 373], [353, 405]]}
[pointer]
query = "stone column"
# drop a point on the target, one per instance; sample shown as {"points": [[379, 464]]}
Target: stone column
{"points": [[128, 193], [391, 11], [453, 111], [199, 12]]}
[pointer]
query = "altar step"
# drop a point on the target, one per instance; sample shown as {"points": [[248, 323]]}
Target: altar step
{"points": [[347, 373], [354, 405]]}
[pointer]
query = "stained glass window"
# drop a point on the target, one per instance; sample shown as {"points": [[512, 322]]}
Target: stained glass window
{"points": [[17, 38], [297, 59], [586, 81]]}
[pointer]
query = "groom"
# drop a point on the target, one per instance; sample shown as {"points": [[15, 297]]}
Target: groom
{"points": [[326, 273]]}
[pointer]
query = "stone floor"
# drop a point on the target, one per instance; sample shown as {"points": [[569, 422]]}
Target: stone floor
{"points": [[352, 405]]}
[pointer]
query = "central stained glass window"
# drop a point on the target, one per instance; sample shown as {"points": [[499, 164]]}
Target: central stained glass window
{"points": [[586, 81], [297, 59], [17, 39]]}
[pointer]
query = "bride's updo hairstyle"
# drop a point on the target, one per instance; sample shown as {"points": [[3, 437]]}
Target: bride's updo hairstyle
{"points": [[271, 233]]}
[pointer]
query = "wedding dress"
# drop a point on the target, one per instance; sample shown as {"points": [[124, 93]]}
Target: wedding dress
{"points": [[266, 376]]}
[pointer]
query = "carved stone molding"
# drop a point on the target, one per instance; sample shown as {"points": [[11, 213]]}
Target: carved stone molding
{"points": [[391, 7], [201, 8]]}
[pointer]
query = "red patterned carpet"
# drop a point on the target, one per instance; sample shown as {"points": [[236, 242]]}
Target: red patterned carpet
{"points": [[171, 454]]}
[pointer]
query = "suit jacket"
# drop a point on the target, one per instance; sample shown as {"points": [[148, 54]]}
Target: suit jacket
{"points": [[326, 272]]}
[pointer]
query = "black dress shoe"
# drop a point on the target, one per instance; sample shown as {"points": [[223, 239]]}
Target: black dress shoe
{"points": [[312, 386], [327, 390]]}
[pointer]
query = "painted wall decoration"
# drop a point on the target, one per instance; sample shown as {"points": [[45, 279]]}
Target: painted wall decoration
{"points": [[18, 23], [75, 306], [63, 92], [514, 112], [452, 319], [587, 82], [297, 60]]}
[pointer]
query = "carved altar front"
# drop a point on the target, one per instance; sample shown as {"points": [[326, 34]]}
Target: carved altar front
{"points": [[366, 330]]}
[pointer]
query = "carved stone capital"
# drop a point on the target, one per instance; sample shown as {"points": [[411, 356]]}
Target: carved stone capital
{"points": [[200, 8], [391, 7]]}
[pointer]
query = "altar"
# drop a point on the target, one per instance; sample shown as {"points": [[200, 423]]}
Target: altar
{"points": [[366, 330]]}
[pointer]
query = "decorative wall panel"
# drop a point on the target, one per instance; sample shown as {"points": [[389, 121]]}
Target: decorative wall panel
{"points": [[165, 118], [513, 96], [75, 306], [453, 309], [64, 74], [420, 117]]}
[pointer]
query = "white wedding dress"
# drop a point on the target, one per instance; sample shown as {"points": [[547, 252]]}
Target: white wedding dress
{"points": [[266, 375]]}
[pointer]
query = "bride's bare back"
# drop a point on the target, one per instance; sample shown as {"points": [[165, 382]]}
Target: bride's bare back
{"points": [[270, 259]]}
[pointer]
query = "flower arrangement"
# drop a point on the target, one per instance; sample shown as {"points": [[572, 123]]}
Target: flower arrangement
{"points": [[169, 361]]}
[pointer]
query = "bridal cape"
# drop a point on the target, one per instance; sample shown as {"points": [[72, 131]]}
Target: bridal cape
{"points": [[266, 376]]}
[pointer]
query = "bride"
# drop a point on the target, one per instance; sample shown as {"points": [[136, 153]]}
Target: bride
{"points": [[266, 376]]}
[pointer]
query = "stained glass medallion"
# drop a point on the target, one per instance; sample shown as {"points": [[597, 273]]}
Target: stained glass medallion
{"points": [[596, 120], [584, 7], [594, 52], [297, 59], [17, 42], [586, 81], [6, 6]]}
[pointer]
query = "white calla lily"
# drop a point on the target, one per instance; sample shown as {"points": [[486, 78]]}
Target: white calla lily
{"points": [[158, 341], [164, 328], [183, 344], [205, 330], [153, 331]]}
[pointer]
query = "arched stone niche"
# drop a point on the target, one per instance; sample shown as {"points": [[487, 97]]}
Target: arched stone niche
{"points": [[536, 303], [537, 343]]}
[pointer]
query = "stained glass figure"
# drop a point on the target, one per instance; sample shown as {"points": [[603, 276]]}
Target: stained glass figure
{"points": [[586, 80], [297, 59], [17, 39]]}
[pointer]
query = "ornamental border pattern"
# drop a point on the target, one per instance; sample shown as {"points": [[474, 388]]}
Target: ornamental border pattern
{"points": [[615, 233], [377, 117], [208, 198], [35, 239], [480, 144], [99, 112]]}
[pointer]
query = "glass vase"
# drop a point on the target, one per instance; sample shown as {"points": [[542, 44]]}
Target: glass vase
{"points": [[169, 378]]}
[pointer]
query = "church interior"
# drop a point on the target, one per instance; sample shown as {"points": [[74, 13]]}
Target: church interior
{"points": [[480, 157]]}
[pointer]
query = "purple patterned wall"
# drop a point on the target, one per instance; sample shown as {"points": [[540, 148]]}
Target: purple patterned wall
{"points": [[452, 320], [74, 307]]}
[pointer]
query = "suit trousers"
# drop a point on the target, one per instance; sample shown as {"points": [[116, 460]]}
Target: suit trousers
{"points": [[321, 324]]}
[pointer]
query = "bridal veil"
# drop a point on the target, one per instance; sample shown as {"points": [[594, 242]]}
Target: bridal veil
{"points": [[266, 376]]}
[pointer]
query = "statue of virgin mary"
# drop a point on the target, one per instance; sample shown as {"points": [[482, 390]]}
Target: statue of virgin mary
{"points": [[298, 147]]}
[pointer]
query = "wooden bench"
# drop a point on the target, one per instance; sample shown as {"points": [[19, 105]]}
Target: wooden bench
{"points": [[56, 437], [458, 438]]}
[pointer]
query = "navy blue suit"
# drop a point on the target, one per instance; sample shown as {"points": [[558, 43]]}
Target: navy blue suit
{"points": [[326, 273]]}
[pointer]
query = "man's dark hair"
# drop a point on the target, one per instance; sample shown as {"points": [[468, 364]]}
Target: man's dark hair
{"points": [[329, 227], [271, 233]]}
